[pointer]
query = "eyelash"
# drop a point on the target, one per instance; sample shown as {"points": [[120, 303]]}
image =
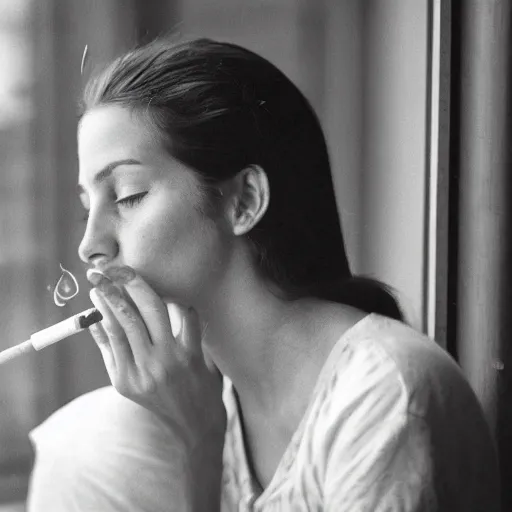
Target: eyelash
{"points": [[127, 202], [131, 201]]}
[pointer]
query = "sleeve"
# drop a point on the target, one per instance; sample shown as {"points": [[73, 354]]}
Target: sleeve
{"points": [[377, 456], [104, 452], [386, 466]]}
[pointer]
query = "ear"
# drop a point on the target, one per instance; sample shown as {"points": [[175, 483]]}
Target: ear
{"points": [[249, 199]]}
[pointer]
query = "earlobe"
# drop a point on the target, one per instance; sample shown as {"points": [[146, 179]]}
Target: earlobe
{"points": [[244, 223], [251, 199]]}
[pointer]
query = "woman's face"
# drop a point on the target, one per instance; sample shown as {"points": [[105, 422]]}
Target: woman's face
{"points": [[145, 208]]}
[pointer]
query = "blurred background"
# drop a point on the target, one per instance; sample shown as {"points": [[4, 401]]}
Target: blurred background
{"points": [[379, 73]]}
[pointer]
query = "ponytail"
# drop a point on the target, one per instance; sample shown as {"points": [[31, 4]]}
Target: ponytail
{"points": [[364, 293]]}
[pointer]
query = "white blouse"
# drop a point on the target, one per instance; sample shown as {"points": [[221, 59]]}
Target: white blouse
{"points": [[392, 425]]}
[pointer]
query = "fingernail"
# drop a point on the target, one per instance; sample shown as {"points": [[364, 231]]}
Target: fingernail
{"points": [[108, 289], [94, 277], [121, 275]]}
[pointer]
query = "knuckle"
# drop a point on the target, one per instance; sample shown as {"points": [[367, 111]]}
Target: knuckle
{"points": [[151, 379], [126, 311], [148, 386], [157, 374]]}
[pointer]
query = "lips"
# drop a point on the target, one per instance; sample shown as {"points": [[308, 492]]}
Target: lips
{"points": [[92, 271]]}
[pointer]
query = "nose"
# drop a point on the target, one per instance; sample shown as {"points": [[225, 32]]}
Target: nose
{"points": [[99, 241]]}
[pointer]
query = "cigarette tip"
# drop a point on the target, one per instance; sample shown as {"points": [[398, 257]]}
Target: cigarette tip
{"points": [[92, 317]]}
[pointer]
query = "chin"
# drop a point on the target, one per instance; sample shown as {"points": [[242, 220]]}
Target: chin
{"points": [[169, 293], [155, 282], [187, 291]]}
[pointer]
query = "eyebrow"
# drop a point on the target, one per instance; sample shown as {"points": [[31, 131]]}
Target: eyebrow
{"points": [[108, 170]]}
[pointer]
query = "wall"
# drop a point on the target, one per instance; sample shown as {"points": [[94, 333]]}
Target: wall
{"points": [[394, 139], [342, 116], [319, 46], [363, 65]]}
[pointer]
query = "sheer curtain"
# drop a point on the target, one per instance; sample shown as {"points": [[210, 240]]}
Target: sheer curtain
{"points": [[41, 46], [21, 281], [481, 167]]}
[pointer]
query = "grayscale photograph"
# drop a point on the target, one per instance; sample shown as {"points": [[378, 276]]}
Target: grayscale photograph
{"points": [[255, 255]]}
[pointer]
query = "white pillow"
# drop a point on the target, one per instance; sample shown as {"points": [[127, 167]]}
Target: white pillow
{"points": [[104, 453]]}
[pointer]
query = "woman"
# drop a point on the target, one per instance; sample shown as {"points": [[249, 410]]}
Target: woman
{"points": [[206, 179]]}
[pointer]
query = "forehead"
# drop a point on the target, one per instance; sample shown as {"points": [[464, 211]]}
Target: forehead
{"points": [[112, 132]]}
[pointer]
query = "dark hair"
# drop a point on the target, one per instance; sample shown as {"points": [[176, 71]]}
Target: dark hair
{"points": [[220, 108]]}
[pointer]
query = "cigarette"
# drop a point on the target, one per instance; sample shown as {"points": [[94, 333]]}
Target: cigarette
{"points": [[52, 334]]}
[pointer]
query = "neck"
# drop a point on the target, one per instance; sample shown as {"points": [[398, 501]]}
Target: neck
{"points": [[270, 348]]}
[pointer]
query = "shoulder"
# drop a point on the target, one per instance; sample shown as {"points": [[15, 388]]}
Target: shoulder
{"points": [[383, 375], [395, 401], [426, 375]]}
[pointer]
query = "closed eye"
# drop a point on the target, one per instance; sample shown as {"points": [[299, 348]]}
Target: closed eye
{"points": [[127, 202], [130, 201]]}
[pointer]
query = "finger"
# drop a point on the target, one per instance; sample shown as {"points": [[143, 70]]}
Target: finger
{"points": [[128, 318], [150, 306], [209, 362], [100, 337], [97, 331], [117, 340], [207, 357], [189, 338], [175, 317]]}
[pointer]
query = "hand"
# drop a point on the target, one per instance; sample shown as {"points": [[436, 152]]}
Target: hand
{"points": [[166, 374]]}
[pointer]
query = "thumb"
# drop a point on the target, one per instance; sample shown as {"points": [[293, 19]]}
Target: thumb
{"points": [[209, 362], [189, 336], [176, 313]]}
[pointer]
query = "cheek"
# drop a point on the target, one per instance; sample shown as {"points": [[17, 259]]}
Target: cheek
{"points": [[176, 254]]}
